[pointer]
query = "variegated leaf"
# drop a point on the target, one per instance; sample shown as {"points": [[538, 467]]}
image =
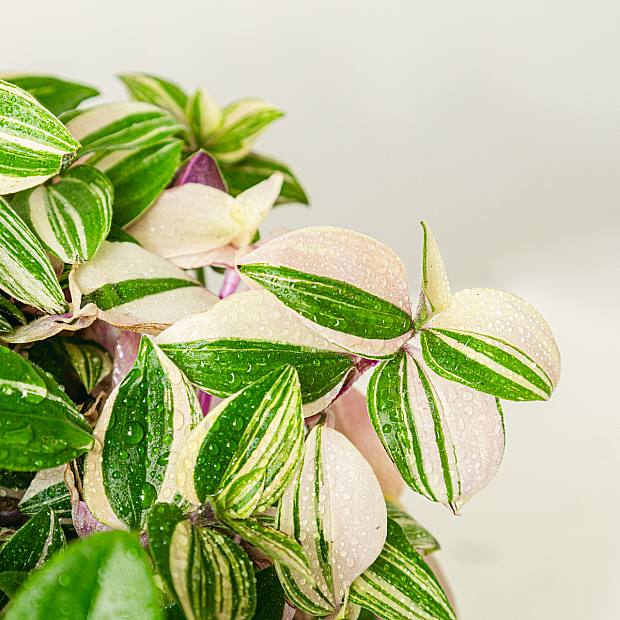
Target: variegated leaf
{"points": [[120, 125], [246, 336], [90, 361], [243, 454], [436, 294], [55, 94], [204, 115], [139, 437], [41, 426], [25, 270], [194, 218], [138, 176], [34, 144], [33, 543], [256, 168], [10, 315], [352, 289], [71, 217], [242, 123], [334, 507], [158, 91], [494, 342], [47, 490], [399, 585], [212, 576], [137, 290], [417, 536], [446, 439]]}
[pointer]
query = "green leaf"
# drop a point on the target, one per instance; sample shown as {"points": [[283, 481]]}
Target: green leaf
{"points": [[118, 234], [213, 577], [419, 537], [41, 427], [204, 115], [431, 428], [102, 577], [25, 270], [11, 582], [71, 217], [245, 451], [47, 490], [91, 361], [14, 480], [139, 176], [256, 168], [331, 303], [34, 144], [120, 125], [399, 585], [139, 435], [158, 91], [269, 595], [55, 94], [10, 315], [33, 543], [242, 123]]}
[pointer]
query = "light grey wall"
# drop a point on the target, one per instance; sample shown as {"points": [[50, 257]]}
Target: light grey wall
{"points": [[496, 121]]}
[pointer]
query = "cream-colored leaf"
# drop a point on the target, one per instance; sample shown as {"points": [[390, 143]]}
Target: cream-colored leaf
{"points": [[435, 282]]}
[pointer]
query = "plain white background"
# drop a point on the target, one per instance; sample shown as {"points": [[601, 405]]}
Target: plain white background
{"points": [[498, 122]]}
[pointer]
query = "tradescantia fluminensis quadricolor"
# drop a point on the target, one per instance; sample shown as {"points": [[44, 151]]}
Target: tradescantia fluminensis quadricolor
{"points": [[203, 446]]}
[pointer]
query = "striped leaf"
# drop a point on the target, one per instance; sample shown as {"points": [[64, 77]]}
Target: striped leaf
{"points": [[104, 576], [204, 115], [33, 543], [242, 123], [138, 176], [41, 426], [137, 290], [71, 217], [34, 144], [55, 94], [10, 315], [243, 454], [435, 285], [162, 93], [276, 545], [350, 288], [446, 439], [419, 537], [139, 435], [47, 490], [335, 509], [399, 585], [256, 168], [248, 335], [212, 576], [192, 219], [25, 270], [120, 125], [91, 361], [493, 342]]}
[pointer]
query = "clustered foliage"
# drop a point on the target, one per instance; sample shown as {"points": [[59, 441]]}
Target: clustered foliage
{"points": [[199, 444]]}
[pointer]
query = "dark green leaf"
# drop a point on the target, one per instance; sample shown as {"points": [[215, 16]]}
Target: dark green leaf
{"points": [[270, 595], [11, 581]]}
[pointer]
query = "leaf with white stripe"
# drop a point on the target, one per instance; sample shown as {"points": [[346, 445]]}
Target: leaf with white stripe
{"points": [[350, 288], [25, 270], [248, 335], [138, 290], [256, 168], [33, 543], [243, 454], [204, 115], [56, 94], [71, 217], [242, 123], [91, 361], [47, 490], [494, 342], [400, 585], [212, 576], [120, 125], [41, 426], [139, 437], [333, 507], [158, 91], [419, 537], [138, 176], [436, 294], [446, 440], [34, 144]]}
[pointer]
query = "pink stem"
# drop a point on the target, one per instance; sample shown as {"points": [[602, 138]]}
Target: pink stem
{"points": [[230, 283]]}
